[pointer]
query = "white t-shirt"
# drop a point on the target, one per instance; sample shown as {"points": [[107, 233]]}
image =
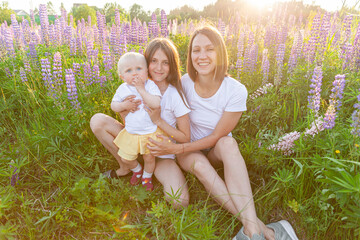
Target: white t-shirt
{"points": [[172, 107], [206, 112], [138, 122]]}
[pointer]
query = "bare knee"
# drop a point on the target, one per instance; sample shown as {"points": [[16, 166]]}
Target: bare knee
{"points": [[200, 169], [97, 122], [227, 143]]}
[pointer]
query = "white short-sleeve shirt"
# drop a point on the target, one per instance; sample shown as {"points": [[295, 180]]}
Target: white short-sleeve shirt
{"points": [[172, 107], [138, 122], [206, 112]]}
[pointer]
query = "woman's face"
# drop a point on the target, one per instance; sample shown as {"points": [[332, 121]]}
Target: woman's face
{"points": [[203, 55], [159, 66]]}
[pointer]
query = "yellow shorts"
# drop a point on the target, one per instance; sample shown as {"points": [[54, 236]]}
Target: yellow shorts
{"points": [[130, 145]]}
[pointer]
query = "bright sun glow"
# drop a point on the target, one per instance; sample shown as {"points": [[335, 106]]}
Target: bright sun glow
{"points": [[262, 4]]}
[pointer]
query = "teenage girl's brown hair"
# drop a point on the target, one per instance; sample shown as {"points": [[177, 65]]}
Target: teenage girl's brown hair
{"points": [[221, 53], [174, 61]]}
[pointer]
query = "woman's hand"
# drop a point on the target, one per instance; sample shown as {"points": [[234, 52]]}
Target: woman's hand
{"points": [[164, 147], [155, 114]]}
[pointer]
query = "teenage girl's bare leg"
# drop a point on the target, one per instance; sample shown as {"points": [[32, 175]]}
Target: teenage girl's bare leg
{"points": [[171, 177], [106, 129]]}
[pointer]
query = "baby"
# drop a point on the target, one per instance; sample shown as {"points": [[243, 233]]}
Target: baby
{"points": [[132, 140]]}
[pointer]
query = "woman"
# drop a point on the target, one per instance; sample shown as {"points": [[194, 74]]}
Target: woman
{"points": [[164, 69], [217, 103]]}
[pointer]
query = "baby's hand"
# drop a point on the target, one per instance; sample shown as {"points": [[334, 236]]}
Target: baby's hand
{"points": [[132, 104], [139, 83]]}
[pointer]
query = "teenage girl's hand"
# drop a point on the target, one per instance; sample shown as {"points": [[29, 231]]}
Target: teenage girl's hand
{"points": [[154, 113]]}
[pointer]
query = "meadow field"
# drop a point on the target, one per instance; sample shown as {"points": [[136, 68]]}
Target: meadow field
{"points": [[300, 136]]}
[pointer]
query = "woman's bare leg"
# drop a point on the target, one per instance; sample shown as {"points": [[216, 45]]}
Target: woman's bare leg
{"points": [[238, 185], [199, 165], [171, 177], [106, 129]]}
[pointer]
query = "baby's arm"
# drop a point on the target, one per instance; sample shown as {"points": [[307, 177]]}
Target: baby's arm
{"points": [[150, 100]]}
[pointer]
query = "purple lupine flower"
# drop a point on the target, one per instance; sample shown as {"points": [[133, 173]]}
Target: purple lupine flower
{"points": [[71, 89], [279, 63], [89, 49], [27, 65], [295, 52], [134, 32], [346, 54], [32, 18], [57, 72], [117, 17], [261, 91], [14, 178], [164, 25], [315, 89], [32, 52], [46, 71], [153, 27], [240, 45], [316, 126], [87, 74], [16, 29], [347, 27], [102, 80], [286, 143], [44, 22], [23, 75], [9, 43], [324, 33], [95, 74], [265, 66], [73, 47], [107, 58], [335, 101], [356, 118], [221, 27]]}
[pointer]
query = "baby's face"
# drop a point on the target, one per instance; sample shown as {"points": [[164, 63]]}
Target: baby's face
{"points": [[132, 69]]}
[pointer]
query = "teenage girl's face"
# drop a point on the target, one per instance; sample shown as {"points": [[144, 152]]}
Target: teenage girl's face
{"points": [[159, 67], [203, 55]]}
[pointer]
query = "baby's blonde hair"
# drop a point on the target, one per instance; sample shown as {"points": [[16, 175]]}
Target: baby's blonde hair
{"points": [[127, 56]]}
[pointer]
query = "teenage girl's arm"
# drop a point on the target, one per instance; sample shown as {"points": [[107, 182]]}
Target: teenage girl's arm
{"points": [[225, 125], [181, 134]]}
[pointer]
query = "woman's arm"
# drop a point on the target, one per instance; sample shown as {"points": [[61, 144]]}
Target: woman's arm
{"points": [[225, 125], [181, 134]]}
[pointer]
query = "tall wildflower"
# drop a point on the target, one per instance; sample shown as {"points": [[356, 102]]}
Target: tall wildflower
{"points": [[286, 143], [153, 27], [23, 75], [9, 43], [164, 25], [240, 44], [44, 22], [16, 30], [279, 63], [347, 27], [295, 51], [57, 73], [335, 101], [265, 65], [356, 118], [107, 58], [261, 91], [315, 89], [71, 89], [239, 66], [117, 17], [48, 77]]}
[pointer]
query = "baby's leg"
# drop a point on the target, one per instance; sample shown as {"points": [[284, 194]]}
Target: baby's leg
{"points": [[149, 167], [149, 163], [136, 168]]}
